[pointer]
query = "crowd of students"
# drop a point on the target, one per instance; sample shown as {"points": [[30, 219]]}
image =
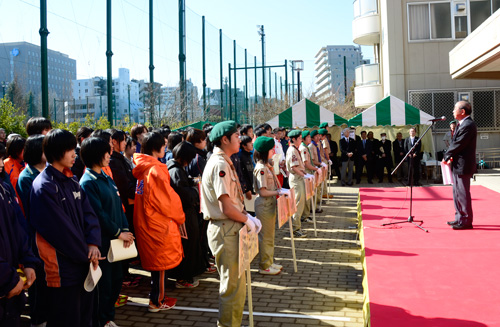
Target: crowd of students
{"points": [[64, 197]]}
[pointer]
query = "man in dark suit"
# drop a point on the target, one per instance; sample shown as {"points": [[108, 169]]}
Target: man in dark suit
{"points": [[383, 152], [398, 147], [347, 149], [333, 156], [365, 158], [416, 155], [462, 156]]}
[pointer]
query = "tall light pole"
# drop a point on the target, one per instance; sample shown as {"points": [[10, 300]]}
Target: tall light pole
{"points": [[263, 40], [298, 65]]}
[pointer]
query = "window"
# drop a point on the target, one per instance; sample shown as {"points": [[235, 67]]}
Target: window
{"points": [[429, 21], [480, 10]]}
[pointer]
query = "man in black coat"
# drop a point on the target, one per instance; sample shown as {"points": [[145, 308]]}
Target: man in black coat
{"points": [[384, 158], [347, 149], [416, 155], [462, 156], [398, 147], [334, 149], [365, 158]]}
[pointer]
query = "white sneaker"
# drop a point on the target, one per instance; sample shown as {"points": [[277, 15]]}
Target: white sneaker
{"points": [[111, 324], [269, 271], [276, 266]]}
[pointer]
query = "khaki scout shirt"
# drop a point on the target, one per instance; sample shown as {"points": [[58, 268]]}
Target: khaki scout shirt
{"points": [[218, 179], [313, 149], [326, 146], [306, 155], [263, 177], [322, 152], [294, 159]]}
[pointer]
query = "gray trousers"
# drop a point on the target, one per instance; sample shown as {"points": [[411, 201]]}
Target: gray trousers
{"points": [[462, 199], [345, 165], [223, 240]]}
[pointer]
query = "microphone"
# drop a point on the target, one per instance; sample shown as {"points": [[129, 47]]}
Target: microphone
{"points": [[438, 119]]}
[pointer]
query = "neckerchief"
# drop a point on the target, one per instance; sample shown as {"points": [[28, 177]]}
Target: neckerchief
{"points": [[317, 149], [230, 163], [275, 179]]}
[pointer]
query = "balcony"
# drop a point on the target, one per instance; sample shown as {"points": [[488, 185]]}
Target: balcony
{"points": [[368, 90], [366, 23]]}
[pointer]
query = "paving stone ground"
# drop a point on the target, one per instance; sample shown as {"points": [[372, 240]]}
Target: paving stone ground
{"points": [[326, 290]]}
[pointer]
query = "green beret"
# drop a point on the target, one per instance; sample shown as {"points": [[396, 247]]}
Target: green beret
{"points": [[323, 125], [453, 122], [305, 133], [323, 131], [263, 144], [223, 128], [314, 133], [294, 133]]}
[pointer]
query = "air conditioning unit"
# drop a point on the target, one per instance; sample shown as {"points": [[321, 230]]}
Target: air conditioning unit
{"points": [[460, 9]]}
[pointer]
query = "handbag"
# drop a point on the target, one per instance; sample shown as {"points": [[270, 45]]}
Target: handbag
{"points": [[117, 252]]}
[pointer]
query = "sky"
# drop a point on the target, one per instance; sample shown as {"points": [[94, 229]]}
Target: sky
{"points": [[294, 29]]}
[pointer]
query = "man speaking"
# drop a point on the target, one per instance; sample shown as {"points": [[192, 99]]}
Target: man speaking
{"points": [[461, 155]]}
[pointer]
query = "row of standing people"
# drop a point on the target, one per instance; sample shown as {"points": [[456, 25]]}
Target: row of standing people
{"points": [[376, 156]]}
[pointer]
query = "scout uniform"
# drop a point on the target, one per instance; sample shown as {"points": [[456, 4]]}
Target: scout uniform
{"points": [[305, 153], [293, 159], [324, 154], [315, 150], [219, 178], [265, 206], [326, 144]]}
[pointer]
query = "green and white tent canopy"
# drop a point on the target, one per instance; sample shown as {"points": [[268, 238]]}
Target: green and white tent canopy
{"points": [[391, 111], [306, 113]]}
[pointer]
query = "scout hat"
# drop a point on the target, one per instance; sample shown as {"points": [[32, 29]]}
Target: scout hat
{"points": [[223, 128], [263, 144], [294, 133], [323, 125], [305, 133], [323, 131], [314, 133]]}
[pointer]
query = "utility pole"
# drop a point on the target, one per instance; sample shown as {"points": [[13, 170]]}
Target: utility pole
{"points": [[204, 68], [151, 65]]}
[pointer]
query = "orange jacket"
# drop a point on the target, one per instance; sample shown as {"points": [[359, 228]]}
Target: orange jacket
{"points": [[157, 215], [13, 168]]}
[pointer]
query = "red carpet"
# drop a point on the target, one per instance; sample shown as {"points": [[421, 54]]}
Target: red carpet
{"points": [[441, 278]]}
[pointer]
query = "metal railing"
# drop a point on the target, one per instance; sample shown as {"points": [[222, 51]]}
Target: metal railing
{"points": [[367, 74]]}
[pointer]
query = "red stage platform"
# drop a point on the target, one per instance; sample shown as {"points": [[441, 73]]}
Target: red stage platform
{"points": [[442, 278]]}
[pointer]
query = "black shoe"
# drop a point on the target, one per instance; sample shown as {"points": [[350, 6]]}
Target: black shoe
{"points": [[319, 211], [380, 181], [418, 184], [390, 181], [349, 184], [343, 184], [452, 223], [458, 226], [370, 182], [357, 182]]}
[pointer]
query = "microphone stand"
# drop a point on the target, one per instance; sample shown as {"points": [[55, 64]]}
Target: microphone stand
{"points": [[410, 171]]}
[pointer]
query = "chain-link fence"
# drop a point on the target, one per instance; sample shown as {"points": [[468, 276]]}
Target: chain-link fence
{"points": [[485, 105]]}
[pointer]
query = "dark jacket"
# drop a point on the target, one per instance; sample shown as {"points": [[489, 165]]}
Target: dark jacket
{"points": [[346, 147], [197, 166], [65, 226], [237, 165], [387, 146], [334, 149], [193, 262], [23, 187], [123, 178], [463, 148], [78, 167], [408, 147], [397, 149], [247, 169], [367, 149], [104, 198], [14, 246]]}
